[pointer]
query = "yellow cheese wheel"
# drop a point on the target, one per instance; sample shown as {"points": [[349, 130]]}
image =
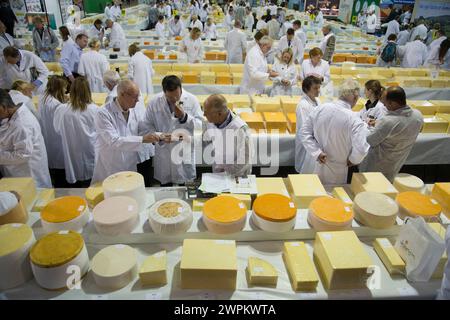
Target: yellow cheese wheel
{"points": [[63, 209], [331, 210], [224, 209], [274, 207], [57, 248], [13, 236], [418, 204]]}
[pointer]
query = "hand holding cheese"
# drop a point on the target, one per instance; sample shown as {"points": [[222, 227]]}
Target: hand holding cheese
{"points": [[151, 138]]}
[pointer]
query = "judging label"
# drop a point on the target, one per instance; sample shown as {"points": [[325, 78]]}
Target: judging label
{"points": [[120, 246], [80, 208], [223, 241], [63, 232], [385, 243], [327, 236]]}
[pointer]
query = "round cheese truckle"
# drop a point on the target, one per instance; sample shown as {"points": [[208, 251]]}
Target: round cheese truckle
{"points": [[126, 183], [407, 182], [274, 212], [330, 214], [224, 214], [170, 216], [375, 210], [416, 204]]}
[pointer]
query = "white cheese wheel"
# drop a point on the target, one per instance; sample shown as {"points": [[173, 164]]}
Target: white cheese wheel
{"points": [[407, 182], [126, 183], [116, 215], [375, 210], [170, 216]]}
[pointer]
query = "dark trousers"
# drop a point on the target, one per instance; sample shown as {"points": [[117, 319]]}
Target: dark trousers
{"points": [[58, 177], [146, 169]]}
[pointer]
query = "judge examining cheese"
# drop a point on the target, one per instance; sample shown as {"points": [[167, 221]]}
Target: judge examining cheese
{"points": [[192, 46], [316, 66], [140, 69], [117, 37]]}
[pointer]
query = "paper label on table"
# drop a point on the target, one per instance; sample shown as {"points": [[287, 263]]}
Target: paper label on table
{"points": [[100, 297], [291, 205], [224, 241], [80, 208], [153, 296], [407, 291], [327, 236], [120, 246], [207, 296], [63, 232], [385, 243]]}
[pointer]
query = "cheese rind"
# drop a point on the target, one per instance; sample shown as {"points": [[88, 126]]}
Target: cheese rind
{"points": [[170, 216], [274, 213], [373, 182], [153, 271], [415, 204], [116, 215], [305, 188], [126, 183], [224, 214], [329, 214], [25, 187], [407, 182], [261, 273], [389, 256], [301, 270], [375, 210], [65, 213]]}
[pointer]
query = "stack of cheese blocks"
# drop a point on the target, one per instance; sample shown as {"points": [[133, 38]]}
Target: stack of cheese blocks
{"points": [[254, 120], [275, 121], [266, 104]]}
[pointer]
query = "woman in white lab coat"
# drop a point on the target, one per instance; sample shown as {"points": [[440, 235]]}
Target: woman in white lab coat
{"points": [[374, 109], [22, 147], [93, 65], [304, 162], [97, 31], [287, 74], [413, 54], [74, 122], [210, 29], [160, 29], [193, 47], [22, 92], [316, 66], [140, 69]]}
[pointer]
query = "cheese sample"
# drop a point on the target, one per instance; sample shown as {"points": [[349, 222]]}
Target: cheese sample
{"points": [[305, 188], [375, 210], [275, 121], [44, 197], [274, 213], [414, 204], [330, 214], [12, 209], [301, 270], [261, 273], [266, 104], [52, 255], [443, 106], [439, 272], [341, 260], [407, 182], [190, 77], [224, 214], [441, 193], [126, 183], [341, 194], [115, 266], [389, 256], [253, 119], [289, 104], [94, 194], [271, 185], [25, 187], [116, 215], [65, 213], [16, 240], [433, 124], [170, 216], [214, 260], [373, 182], [153, 271]]}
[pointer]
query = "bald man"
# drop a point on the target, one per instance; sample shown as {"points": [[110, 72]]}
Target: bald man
{"points": [[119, 147], [230, 136]]}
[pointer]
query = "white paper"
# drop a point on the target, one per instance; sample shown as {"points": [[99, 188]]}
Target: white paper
{"points": [[214, 183], [153, 296]]}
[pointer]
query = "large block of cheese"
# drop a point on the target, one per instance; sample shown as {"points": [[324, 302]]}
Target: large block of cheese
{"points": [[301, 270], [153, 271], [236, 68], [275, 121], [185, 67], [190, 77], [238, 100], [425, 107], [389, 256], [207, 77], [305, 188], [150, 54], [237, 78], [439, 83], [44, 197], [439, 272], [341, 260], [271, 185], [162, 68], [292, 122], [25, 187], [346, 72], [374, 182], [433, 124], [289, 104], [341, 194], [210, 56], [221, 55], [441, 193], [446, 117], [253, 119], [443, 106], [214, 260], [261, 273], [266, 104], [219, 67], [413, 72], [400, 72], [99, 98], [223, 78], [423, 82], [385, 72]]}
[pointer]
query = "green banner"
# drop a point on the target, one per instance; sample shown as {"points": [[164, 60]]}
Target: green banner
{"points": [[363, 5]]}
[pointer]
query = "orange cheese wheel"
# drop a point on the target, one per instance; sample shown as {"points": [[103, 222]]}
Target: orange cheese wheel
{"points": [[63, 209], [331, 210], [274, 207], [224, 209], [418, 204]]}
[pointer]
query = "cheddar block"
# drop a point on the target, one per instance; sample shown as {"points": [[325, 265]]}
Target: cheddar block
{"points": [[153, 271], [341, 194], [207, 77], [439, 272], [339, 57], [223, 78], [238, 100], [275, 121], [443, 106], [439, 83], [237, 78], [214, 260], [261, 273], [341, 260], [99, 98], [289, 104], [236, 68], [385, 72], [94, 194], [425, 107], [301, 270], [186, 67], [178, 74], [150, 54], [253, 119], [335, 70], [441, 193], [389, 256], [433, 124], [399, 72], [423, 82], [210, 56], [44, 197], [413, 72], [292, 122], [373, 182], [271, 185], [266, 104], [221, 55], [304, 188], [219, 67], [446, 117], [161, 56], [25, 187], [162, 68], [173, 56], [190, 77]]}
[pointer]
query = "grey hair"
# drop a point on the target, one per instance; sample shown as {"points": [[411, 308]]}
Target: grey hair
{"points": [[328, 27], [217, 102], [125, 85], [348, 87], [265, 40], [111, 78]]}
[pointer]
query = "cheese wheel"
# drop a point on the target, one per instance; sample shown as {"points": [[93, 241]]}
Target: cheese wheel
{"points": [[407, 182], [274, 213], [15, 242], [53, 255], [94, 194], [126, 183], [114, 266], [375, 210], [329, 214], [414, 204], [224, 214], [65, 213], [170, 216], [116, 215], [12, 210]]}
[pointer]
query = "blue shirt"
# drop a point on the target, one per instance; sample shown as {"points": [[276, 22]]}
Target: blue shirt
{"points": [[70, 58]]}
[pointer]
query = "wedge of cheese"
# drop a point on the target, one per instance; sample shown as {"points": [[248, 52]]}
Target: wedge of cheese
{"points": [[261, 273], [304, 188], [373, 182], [153, 271], [341, 194], [94, 194], [389, 256], [301, 270]]}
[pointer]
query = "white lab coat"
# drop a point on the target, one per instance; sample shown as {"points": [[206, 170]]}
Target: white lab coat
{"points": [[159, 118], [19, 97], [334, 130], [93, 65], [284, 27], [210, 31], [22, 148], [249, 22], [95, 33], [413, 54], [235, 44], [6, 42], [393, 27], [322, 69], [117, 38], [304, 162], [319, 19], [53, 142], [376, 112], [175, 29], [77, 131], [323, 42], [140, 70], [261, 24], [402, 37], [296, 46], [421, 31], [196, 24], [299, 33], [255, 72], [115, 12], [229, 22], [436, 43], [194, 49], [107, 13], [160, 30], [444, 292], [273, 27], [286, 72], [371, 23], [118, 147]]}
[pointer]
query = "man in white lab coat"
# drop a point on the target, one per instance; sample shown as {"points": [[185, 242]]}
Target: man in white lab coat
{"points": [[140, 69], [393, 27], [172, 114], [334, 136], [273, 26], [256, 70], [119, 147], [117, 37], [225, 128], [328, 43], [195, 23], [249, 19], [175, 26], [371, 23], [393, 136], [235, 44], [114, 11], [293, 42], [420, 31], [93, 65], [22, 147], [413, 54]]}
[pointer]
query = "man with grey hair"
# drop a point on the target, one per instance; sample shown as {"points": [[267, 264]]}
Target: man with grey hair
{"points": [[328, 43], [117, 37], [334, 136], [222, 123], [110, 80], [235, 44], [119, 147]]}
